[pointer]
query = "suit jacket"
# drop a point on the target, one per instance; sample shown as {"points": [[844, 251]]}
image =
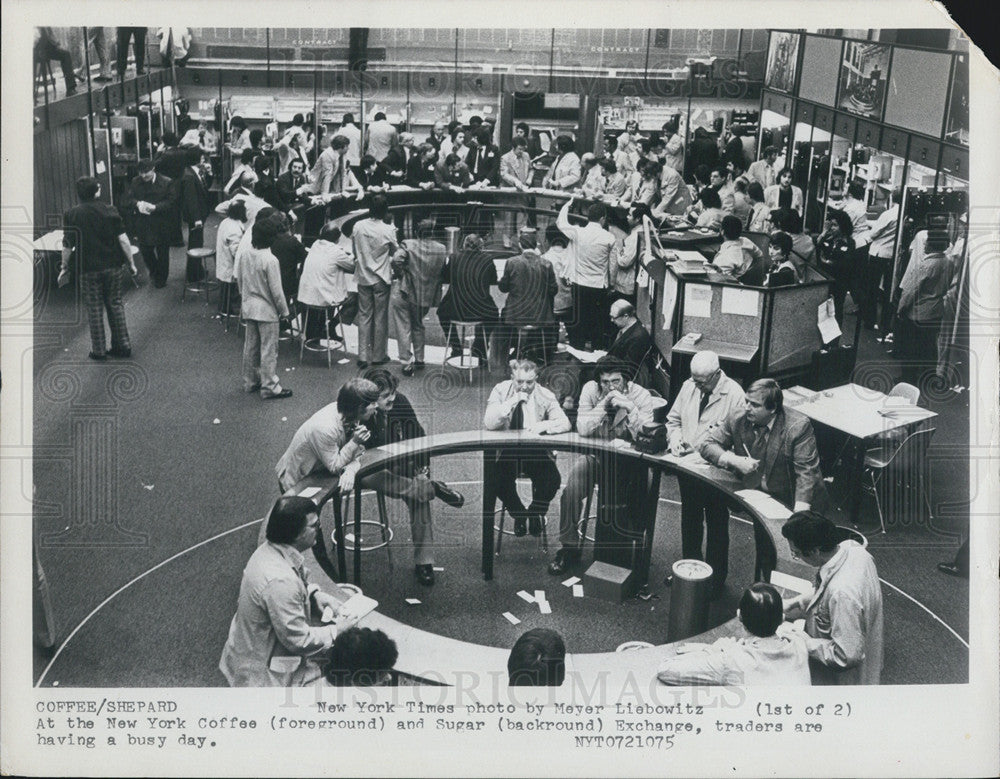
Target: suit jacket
{"points": [[633, 346], [156, 228], [470, 276], [266, 189], [171, 162], [374, 179], [531, 285], [485, 167], [565, 172], [397, 161], [422, 276], [459, 177], [419, 172], [324, 170], [400, 423], [194, 197], [789, 466], [683, 422], [286, 189]]}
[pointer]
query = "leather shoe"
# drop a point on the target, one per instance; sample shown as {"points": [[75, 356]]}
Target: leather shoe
{"points": [[98, 357], [446, 494], [952, 570], [535, 525], [425, 574], [565, 559], [285, 393], [408, 369]]}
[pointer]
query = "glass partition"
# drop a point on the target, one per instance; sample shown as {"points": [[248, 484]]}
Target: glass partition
{"points": [[774, 131], [815, 190], [801, 155]]}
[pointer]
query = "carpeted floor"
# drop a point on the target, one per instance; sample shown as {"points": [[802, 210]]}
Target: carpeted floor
{"points": [[139, 460]]}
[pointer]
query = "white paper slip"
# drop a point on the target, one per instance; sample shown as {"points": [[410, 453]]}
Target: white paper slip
{"points": [[539, 595], [413, 601], [511, 618], [793, 583], [571, 581], [526, 596], [308, 492], [577, 590], [544, 607], [438, 568]]}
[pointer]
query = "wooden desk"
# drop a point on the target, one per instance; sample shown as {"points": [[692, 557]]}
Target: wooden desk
{"points": [[855, 411]]}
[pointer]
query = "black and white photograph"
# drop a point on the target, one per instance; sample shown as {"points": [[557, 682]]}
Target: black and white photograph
{"points": [[358, 377]]}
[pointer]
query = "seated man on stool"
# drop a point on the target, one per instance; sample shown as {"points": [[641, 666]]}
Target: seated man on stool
{"points": [[703, 402], [611, 407], [522, 404], [772, 449]]}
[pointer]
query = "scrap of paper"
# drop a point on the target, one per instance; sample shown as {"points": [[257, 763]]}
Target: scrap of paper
{"points": [[571, 581], [511, 618], [544, 607], [539, 595], [308, 492], [577, 590], [527, 597], [413, 601]]}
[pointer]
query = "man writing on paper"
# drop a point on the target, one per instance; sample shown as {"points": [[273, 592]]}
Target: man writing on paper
{"points": [[274, 636], [771, 448], [704, 402]]}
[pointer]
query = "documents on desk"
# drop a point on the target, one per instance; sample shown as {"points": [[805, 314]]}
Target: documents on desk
{"points": [[585, 356], [765, 504]]}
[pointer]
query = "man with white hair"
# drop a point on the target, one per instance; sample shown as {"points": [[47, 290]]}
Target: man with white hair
{"points": [[704, 400]]}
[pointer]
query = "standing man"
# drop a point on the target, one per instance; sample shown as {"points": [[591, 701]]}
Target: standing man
{"points": [[275, 638], [96, 246], [381, 137], [565, 170], [675, 197], [590, 250], [332, 176], [138, 37], [530, 284], [416, 287], [95, 37], [151, 201], [374, 242], [703, 402], [673, 153], [632, 345], [451, 173], [762, 171], [778, 444], [194, 209], [522, 404], [263, 306], [612, 407], [484, 159], [350, 131], [437, 135], [878, 270], [515, 165], [844, 614], [397, 161]]}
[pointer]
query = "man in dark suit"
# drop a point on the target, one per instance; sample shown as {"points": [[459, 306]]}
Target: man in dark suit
{"points": [[632, 344], [397, 161], [150, 202], [483, 159], [194, 208], [420, 172], [438, 134], [288, 186], [371, 173], [171, 162], [771, 448]]}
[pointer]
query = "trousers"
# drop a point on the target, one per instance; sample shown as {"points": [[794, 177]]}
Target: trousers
{"points": [[408, 322], [373, 322], [394, 485], [590, 317], [701, 508], [157, 259], [102, 293], [545, 481], [260, 358], [138, 37]]}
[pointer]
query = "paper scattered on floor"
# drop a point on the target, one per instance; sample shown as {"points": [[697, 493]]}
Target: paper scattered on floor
{"points": [[55, 684], [308, 492], [577, 590], [148, 486], [343, 361], [526, 596], [506, 615], [413, 601], [284, 419], [539, 595], [571, 581], [216, 421], [438, 568], [544, 607]]}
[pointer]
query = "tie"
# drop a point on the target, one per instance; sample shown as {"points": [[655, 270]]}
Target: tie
{"points": [[759, 441], [703, 403], [517, 417]]}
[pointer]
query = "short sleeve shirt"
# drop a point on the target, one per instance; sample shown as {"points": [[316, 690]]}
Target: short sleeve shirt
{"points": [[93, 229]]}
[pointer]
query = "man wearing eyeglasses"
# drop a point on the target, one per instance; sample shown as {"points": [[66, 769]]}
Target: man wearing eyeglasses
{"points": [[610, 408], [704, 401]]}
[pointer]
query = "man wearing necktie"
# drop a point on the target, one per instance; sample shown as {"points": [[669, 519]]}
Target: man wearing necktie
{"points": [[771, 448], [703, 402], [611, 407], [276, 637], [522, 404], [293, 188], [484, 160]]}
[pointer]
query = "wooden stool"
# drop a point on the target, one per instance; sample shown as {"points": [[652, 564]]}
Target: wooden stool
{"points": [[205, 284], [314, 344], [464, 361]]}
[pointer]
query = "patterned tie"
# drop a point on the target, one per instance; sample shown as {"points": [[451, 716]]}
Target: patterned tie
{"points": [[517, 417]]}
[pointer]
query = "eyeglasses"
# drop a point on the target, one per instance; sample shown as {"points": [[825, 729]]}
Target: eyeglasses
{"points": [[707, 380], [617, 382]]}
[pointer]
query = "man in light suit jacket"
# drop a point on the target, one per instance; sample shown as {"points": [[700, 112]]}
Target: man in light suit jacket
{"points": [[565, 171], [522, 404], [704, 401], [416, 287], [331, 173]]}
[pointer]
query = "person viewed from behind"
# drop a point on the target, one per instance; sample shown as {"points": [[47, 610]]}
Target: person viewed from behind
{"points": [[374, 242], [537, 659], [738, 257], [361, 657]]}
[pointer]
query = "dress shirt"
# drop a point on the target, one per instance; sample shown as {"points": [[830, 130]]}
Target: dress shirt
{"points": [[623, 267], [924, 286], [745, 662], [273, 619], [590, 250], [324, 280], [844, 619], [641, 190], [353, 134], [803, 246], [683, 420], [858, 211], [735, 257], [227, 240], [381, 138], [594, 421], [616, 185], [759, 219], [542, 412], [673, 156], [321, 443], [258, 274], [374, 242], [515, 168], [558, 257], [710, 218], [727, 194], [763, 173], [883, 233]]}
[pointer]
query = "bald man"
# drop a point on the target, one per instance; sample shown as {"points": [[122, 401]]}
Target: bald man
{"points": [[703, 402], [632, 344]]}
